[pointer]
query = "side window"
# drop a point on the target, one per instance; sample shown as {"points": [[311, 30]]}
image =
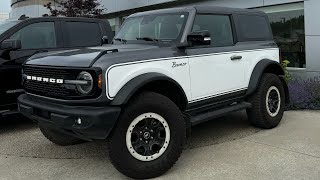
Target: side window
{"points": [[37, 36], [252, 28], [219, 27], [77, 34]]}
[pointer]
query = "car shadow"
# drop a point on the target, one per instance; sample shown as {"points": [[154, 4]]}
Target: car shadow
{"points": [[16, 122], [228, 128]]}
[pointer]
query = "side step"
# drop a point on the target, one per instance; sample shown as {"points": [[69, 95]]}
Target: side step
{"points": [[218, 113]]}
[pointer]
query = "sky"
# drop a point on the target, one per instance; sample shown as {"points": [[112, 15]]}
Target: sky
{"points": [[5, 6]]}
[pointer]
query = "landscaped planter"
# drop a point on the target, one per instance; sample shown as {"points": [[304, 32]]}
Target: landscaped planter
{"points": [[304, 94]]}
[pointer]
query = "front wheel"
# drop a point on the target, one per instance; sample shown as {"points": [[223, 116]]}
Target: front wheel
{"points": [[148, 138], [268, 102]]}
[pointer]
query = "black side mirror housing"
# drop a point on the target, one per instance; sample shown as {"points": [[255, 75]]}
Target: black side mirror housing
{"points": [[10, 45], [104, 40], [200, 38]]}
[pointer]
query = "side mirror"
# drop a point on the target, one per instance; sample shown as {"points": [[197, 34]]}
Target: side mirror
{"points": [[200, 38], [104, 40], [10, 44]]}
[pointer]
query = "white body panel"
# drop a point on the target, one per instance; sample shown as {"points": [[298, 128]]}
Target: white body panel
{"points": [[119, 75], [216, 74], [202, 77]]}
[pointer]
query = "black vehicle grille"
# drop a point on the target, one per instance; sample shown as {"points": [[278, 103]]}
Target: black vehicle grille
{"points": [[48, 89], [46, 72]]}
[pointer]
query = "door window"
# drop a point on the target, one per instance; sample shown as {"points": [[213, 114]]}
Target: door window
{"points": [[80, 34], [219, 27], [37, 36]]}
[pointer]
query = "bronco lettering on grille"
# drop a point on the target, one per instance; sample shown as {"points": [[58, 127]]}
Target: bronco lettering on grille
{"points": [[42, 79]]}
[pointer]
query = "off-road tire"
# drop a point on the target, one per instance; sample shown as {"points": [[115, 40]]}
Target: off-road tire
{"points": [[123, 160], [258, 115], [58, 137]]}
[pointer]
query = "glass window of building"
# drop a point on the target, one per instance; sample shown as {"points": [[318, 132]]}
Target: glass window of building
{"points": [[113, 25], [287, 22]]}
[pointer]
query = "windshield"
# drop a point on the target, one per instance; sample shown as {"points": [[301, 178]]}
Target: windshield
{"points": [[159, 27], [5, 25]]}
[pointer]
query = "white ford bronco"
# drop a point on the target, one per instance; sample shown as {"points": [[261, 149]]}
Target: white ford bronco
{"points": [[166, 71]]}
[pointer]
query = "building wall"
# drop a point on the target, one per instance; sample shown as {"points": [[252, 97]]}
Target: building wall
{"points": [[122, 5], [4, 16], [312, 34], [31, 8]]}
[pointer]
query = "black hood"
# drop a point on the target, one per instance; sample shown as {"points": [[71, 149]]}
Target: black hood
{"points": [[85, 57]]}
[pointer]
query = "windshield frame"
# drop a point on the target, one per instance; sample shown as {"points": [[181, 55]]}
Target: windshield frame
{"points": [[157, 41]]}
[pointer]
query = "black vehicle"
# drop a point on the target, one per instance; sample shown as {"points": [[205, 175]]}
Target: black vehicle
{"points": [[20, 39]]}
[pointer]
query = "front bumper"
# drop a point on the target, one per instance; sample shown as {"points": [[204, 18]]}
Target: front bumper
{"points": [[96, 122]]}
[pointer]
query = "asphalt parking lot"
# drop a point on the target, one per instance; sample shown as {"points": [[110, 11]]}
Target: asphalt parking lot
{"points": [[225, 148]]}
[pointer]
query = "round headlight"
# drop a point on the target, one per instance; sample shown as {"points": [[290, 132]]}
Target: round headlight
{"points": [[85, 88]]}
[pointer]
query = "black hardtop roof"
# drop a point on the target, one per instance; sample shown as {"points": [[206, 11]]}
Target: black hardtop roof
{"points": [[201, 9]]}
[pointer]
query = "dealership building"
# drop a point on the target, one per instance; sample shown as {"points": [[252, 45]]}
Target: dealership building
{"points": [[294, 23], [3, 16]]}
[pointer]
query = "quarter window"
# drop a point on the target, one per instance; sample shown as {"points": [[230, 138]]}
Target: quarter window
{"points": [[219, 27], [253, 28], [37, 36]]}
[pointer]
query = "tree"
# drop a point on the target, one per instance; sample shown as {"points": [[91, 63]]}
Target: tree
{"points": [[76, 8]]}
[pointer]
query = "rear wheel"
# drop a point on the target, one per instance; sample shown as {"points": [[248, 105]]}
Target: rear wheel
{"points": [[58, 137], [268, 102], [148, 138]]}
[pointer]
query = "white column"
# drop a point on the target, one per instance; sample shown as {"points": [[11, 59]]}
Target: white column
{"points": [[312, 28]]}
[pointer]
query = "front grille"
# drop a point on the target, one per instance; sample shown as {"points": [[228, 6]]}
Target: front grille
{"points": [[47, 89], [46, 72]]}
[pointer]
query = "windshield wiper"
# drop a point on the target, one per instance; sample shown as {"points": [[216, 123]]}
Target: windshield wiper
{"points": [[147, 39], [121, 40]]}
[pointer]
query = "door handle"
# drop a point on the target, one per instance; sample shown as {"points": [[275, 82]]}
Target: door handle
{"points": [[235, 57]]}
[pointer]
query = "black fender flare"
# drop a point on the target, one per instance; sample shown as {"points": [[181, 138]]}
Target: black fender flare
{"points": [[130, 88], [264, 66]]}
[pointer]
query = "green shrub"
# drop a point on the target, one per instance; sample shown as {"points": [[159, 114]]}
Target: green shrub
{"points": [[287, 75]]}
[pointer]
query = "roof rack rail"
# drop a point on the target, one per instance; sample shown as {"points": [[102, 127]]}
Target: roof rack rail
{"points": [[23, 17]]}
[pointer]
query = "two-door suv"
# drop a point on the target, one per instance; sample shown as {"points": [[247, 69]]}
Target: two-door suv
{"points": [[22, 38], [166, 71]]}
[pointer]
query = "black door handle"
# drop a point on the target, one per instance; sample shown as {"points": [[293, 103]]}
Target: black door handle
{"points": [[235, 57]]}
